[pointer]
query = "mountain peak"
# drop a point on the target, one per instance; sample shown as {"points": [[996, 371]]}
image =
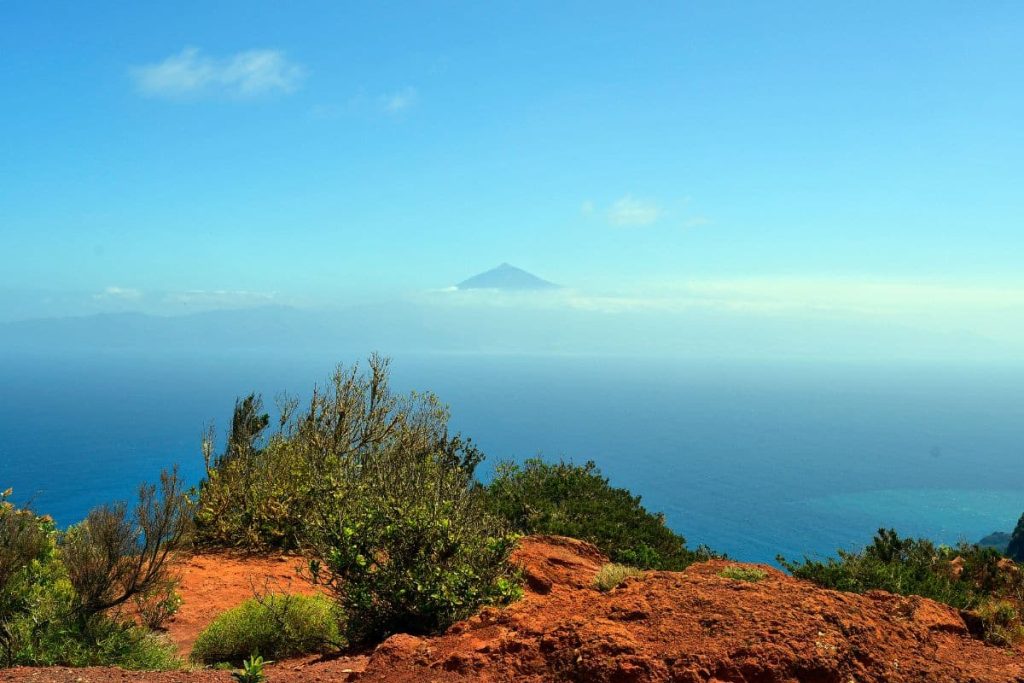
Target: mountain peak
{"points": [[507, 277]]}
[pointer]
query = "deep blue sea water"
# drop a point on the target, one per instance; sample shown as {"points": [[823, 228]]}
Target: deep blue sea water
{"points": [[751, 458]]}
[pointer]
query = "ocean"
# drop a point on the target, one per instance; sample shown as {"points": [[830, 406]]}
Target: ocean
{"points": [[751, 458]]}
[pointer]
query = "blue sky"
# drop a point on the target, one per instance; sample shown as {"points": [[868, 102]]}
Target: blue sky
{"points": [[867, 153]]}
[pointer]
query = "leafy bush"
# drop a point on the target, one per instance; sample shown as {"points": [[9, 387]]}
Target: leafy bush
{"points": [[61, 593], [612, 574], [273, 626], [740, 573], [412, 548], [26, 550], [571, 500]]}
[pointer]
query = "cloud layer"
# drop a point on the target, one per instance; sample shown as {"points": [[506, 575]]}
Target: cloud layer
{"points": [[191, 73]]}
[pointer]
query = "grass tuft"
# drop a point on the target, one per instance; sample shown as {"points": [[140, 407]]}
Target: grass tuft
{"points": [[613, 574], [741, 573]]}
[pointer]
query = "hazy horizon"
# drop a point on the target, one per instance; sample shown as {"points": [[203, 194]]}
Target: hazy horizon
{"points": [[790, 165]]}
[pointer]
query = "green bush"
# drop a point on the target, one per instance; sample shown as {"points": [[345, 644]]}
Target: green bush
{"points": [[740, 573], [262, 490], [412, 548], [54, 604], [538, 497], [611, 575], [275, 626], [905, 566]]}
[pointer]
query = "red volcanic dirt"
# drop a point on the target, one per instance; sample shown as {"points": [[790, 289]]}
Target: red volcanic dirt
{"points": [[213, 583], [688, 627]]}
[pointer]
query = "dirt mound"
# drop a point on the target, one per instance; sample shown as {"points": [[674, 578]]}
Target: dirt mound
{"points": [[694, 626], [688, 627]]}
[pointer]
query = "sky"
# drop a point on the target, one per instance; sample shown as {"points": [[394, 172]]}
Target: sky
{"points": [[865, 157]]}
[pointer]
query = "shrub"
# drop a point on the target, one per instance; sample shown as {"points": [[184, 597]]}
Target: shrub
{"points": [[95, 641], [260, 492], [611, 575], [275, 626], [60, 598], [905, 566], [112, 556], [571, 500], [412, 548], [741, 573]]}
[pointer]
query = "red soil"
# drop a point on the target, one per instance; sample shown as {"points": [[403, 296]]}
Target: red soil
{"points": [[213, 583], [688, 627]]}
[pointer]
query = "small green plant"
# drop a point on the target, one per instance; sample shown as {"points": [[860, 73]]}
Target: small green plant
{"points": [[251, 671], [277, 625], [1000, 622], [613, 574], [738, 572]]}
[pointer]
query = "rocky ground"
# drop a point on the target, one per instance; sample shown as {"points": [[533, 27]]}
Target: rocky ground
{"points": [[690, 627]]}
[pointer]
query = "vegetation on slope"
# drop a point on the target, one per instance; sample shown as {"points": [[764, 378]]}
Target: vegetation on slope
{"points": [[576, 500], [967, 577]]}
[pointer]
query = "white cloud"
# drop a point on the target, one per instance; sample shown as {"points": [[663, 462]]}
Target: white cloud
{"points": [[630, 211], [400, 100], [122, 293], [219, 298], [190, 73]]}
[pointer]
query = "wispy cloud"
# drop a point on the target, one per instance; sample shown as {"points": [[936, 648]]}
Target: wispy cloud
{"points": [[192, 74], [629, 211], [118, 293], [219, 298], [398, 101], [369, 104]]}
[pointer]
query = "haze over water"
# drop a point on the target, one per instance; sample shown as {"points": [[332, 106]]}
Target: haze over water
{"points": [[751, 458]]}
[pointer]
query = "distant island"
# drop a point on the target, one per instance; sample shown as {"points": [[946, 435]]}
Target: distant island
{"points": [[506, 277]]}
